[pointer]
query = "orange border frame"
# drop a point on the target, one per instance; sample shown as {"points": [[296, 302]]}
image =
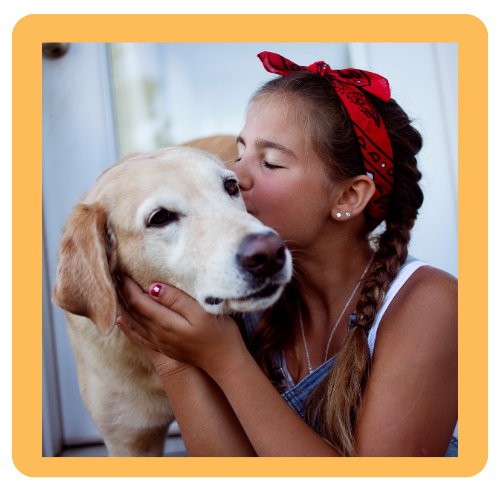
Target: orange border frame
{"points": [[476, 128]]}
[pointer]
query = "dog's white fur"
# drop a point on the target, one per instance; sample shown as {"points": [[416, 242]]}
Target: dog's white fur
{"points": [[108, 233]]}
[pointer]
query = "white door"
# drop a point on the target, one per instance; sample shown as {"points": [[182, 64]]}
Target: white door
{"points": [[78, 143], [101, 101]]}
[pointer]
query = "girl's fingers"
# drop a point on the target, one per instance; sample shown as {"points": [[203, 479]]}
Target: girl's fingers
{"points": [[164, 364], [160, 325], [132, 329], [174, 299], [166, 303], [174, 322]]}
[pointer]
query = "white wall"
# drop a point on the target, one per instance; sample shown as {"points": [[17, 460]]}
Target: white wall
{"points": [[78, 144], [197, 89], [424, 81]]}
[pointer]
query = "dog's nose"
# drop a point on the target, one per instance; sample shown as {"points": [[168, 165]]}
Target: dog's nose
{"points": [[262, 254]]}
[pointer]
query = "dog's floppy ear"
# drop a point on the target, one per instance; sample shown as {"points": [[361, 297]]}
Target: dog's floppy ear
{"points": [[83, 280]]}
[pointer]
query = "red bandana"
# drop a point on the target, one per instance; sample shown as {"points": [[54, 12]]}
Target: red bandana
{"points": [[368, 126]]}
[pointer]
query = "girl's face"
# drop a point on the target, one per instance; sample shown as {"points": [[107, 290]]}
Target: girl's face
{"points": [[283, 184]]}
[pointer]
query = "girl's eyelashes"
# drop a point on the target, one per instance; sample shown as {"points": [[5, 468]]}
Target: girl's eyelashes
{"points": [[264, 163], [270, 166]]}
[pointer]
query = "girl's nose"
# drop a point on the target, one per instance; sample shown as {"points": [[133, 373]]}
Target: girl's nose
{"points": [[244, 178]]}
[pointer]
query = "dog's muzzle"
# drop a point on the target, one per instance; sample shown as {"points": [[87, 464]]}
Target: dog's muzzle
{"points": [[263, 256]]}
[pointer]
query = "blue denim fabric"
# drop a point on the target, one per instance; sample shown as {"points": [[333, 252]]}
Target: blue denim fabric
{"points": [[452, 450], [297, 397]]}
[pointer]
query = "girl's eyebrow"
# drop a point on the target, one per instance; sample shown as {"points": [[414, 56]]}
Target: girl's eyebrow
{"points": [[263, 144]]}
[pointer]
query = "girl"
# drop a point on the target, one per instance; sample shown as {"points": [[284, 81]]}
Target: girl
{"points": [[359, 356]]}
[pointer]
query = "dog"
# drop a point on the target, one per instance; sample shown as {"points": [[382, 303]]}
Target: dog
{"points": [[174, 216]]}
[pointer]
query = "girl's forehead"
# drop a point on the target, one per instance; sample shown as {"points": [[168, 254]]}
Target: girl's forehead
{"points": [[284, 104], [271, 116]]}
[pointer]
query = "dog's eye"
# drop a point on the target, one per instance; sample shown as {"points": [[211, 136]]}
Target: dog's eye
{"points": [[162, 217], [231, 186]]}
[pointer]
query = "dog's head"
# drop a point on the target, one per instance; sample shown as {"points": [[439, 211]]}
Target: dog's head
{"points": [[173, 216]]}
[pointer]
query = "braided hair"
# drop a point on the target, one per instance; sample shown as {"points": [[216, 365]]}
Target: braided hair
{"points": [[334, 406]]}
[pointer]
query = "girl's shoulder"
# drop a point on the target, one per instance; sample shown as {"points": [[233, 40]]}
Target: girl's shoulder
{"points": [[429, 285], [424, 311], [420, 283], [420, 274]]}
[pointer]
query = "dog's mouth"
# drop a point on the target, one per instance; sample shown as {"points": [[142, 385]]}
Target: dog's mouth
{"points": [[263, 293]]}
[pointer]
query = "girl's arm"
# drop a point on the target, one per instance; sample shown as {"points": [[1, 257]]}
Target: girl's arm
{"points": [[240, 407], [410, 405], [410, 402], [207, 423]]}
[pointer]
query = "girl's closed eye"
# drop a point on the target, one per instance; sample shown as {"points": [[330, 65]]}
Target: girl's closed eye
{"points": [[270, 166]]}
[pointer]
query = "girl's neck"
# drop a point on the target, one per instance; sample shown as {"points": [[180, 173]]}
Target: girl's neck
{"points": [[327, 295], [324, 278]]}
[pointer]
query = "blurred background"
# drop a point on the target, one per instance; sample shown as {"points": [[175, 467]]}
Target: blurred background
{"points": [[102, 101]]}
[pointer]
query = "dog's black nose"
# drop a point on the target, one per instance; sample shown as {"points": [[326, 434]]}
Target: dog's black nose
{"points": [[262, 254]]}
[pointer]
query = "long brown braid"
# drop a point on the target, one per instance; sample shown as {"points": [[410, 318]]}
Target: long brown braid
{"points": [[334, 406]]}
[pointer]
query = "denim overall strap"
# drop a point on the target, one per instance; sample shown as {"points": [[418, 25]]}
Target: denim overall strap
{"points": [[297, 396]]}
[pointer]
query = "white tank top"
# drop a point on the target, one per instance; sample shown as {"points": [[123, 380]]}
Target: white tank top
{"points": [[409, 267]]}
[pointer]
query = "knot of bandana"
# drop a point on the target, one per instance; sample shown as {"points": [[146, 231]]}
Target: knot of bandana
{"points": [[367, 124]]}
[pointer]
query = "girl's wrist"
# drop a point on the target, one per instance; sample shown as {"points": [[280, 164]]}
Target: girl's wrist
{"points": [[165, 366], [221, 369]]}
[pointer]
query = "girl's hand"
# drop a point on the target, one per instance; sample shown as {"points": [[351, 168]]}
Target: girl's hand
{"points": [[174, 324], [140, 337]]}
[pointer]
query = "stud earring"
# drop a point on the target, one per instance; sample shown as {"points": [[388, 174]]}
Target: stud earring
{"points": [[339, 215], [347, 214]]}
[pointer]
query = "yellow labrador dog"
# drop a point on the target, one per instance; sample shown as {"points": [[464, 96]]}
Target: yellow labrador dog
{"points": [[174, 216]]}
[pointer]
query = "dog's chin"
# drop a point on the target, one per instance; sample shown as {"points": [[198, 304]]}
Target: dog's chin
{"points": [[255, 302]]}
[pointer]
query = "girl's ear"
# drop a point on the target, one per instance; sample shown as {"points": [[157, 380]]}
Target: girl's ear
{"points": [[353, 198]]}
